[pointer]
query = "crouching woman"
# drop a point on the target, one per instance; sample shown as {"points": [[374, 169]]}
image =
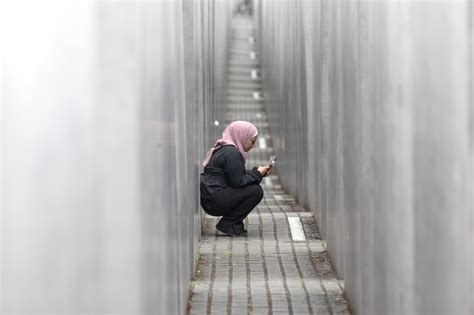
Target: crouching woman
{"points": [[227, 188]]}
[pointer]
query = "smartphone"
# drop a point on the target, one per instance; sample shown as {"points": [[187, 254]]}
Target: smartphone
{"points": [[272, 160]]}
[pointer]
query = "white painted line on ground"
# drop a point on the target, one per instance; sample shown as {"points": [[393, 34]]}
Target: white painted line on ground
{"points": [[256, 95], [262, 143], [254, 74], [296, 229]]}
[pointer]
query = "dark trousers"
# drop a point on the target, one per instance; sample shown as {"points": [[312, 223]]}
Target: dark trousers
{"points": [[233, 204]]}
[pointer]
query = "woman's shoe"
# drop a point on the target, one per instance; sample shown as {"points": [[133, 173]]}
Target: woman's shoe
{"points": [[232, 230], [239, 228], [226, 231]]}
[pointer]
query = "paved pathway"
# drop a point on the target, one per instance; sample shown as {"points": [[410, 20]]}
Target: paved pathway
{"points": [[278, 268]]}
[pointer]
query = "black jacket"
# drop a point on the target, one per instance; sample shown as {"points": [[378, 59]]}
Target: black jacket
{"points": [[226, 169]]}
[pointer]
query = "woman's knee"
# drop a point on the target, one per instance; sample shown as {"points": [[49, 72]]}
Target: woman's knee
{"points": [[258, 192]]}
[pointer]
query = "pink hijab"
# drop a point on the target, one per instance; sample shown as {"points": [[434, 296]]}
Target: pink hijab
{"points": [[237, 133]]}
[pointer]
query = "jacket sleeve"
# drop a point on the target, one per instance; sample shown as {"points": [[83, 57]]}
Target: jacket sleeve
{"points": [[236, 174]]}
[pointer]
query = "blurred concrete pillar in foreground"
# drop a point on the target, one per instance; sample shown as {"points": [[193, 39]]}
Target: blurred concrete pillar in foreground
{"points": [[103, 111], [370, 105]]}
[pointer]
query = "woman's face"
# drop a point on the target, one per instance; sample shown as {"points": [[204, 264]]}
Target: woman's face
{"points": [[250, 144]]}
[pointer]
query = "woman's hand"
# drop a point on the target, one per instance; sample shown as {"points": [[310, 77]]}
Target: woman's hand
{"points": [[265, 170]]}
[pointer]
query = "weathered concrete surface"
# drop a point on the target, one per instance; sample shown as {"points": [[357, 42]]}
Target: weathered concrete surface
{"points": [[372, 117], [102, 134]]}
